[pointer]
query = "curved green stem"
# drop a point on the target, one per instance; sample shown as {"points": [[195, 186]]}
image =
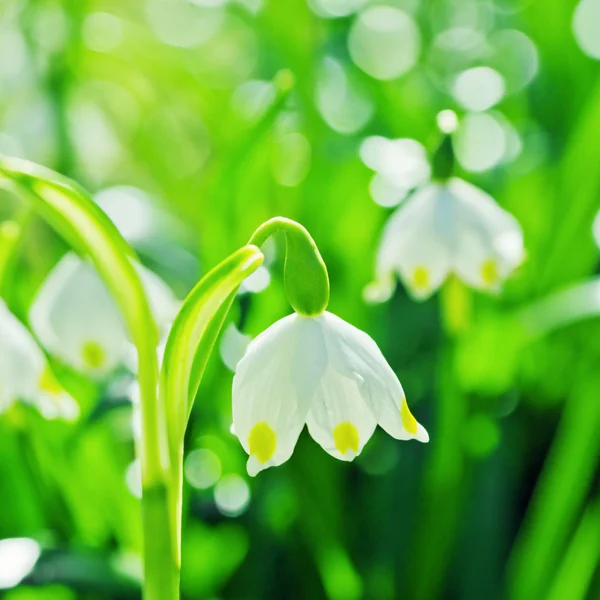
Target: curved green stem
{"points": [[305, 274], [188, 348], [444, 486]]}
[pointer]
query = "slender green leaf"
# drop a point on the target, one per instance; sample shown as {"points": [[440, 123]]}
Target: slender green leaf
{"points": [[194, 332]]}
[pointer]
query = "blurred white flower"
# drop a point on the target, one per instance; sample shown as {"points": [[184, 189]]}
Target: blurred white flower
{"points": [[400, 165], [25, 374], [449, 227], [256, 282], [233, 346], [261, 278], [76, 318], [18, 556], [323, 372]]}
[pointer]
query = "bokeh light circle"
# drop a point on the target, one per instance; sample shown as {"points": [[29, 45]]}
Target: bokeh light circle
{"points": [[232, 495], [384, 42], [586, 26]]}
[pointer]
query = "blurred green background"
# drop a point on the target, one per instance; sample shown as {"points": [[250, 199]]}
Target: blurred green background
{"points": [[198, 120]]}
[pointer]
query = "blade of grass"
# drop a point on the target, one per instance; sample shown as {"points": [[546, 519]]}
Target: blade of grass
{"points": [[559, 495]]}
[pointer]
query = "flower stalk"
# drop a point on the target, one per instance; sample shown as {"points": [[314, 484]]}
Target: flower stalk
{"points": [[305, 274]]}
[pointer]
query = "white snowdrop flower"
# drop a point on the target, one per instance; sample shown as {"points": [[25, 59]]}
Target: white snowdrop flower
{"points": [[447, 227], [76, 318], [25, 374], [323, 372]]}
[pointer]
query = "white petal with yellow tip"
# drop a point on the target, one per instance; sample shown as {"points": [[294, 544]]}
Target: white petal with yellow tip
{"points": [[273, 389], [25, 374], [323, 371], [354, 354], [76, 318], [415, 242], [339, 419], [490, 241]]}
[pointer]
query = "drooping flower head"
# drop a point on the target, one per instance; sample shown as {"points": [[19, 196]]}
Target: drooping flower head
{"points": [[313, 368], [320, 371], [25, 374], [76, 318], [447, 226]]}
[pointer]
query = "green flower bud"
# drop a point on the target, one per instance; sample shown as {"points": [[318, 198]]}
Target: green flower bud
{"points": [[305, 274]]}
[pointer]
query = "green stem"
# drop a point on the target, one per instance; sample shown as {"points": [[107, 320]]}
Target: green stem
{"points": [[10, 234], [455, 307], [305, 274], [161, 558], [443, 489], [581, 560], [559, 495]]}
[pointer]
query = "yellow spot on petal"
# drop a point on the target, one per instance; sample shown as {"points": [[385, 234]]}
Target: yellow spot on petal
{"points": [[262, 442], [489, 272], [93, 355], [420, 278], [48, 382], [345, 437], [409, 422]]}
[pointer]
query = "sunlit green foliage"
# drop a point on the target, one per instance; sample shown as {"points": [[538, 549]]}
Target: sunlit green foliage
{"points": [[222, 114]]}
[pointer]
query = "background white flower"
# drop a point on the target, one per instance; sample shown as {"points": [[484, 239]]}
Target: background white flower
{"points": [[323, 372], [25, 374], [233, 346], [76, 318], [444, 228]]}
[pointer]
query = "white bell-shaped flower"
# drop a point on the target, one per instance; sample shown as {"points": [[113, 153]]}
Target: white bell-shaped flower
{"points": [[25, 374], [323, 372], [76, 318], [444, 228]]}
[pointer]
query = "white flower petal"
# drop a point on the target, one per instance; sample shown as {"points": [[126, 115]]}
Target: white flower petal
{"points": [[18, 556], [256, 282], [416, 240], [76, 319], [354, 354], [490, 242], [233, 346], [21, 361], [273, 389], [25, 374], [339, 418]]}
